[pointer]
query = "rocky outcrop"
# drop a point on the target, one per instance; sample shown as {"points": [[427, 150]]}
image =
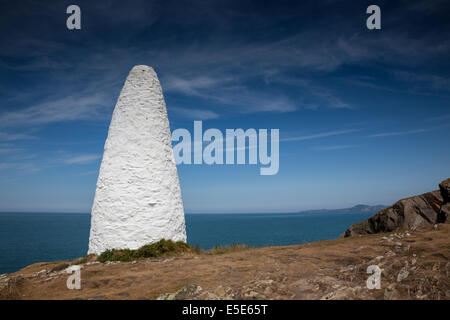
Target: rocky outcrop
{"points": [[418, 212], [444, 214]]}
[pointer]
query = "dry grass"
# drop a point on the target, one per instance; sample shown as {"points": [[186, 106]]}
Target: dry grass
{"points": [[59, 267], [88, 258], [11, 291], [227, 249]]}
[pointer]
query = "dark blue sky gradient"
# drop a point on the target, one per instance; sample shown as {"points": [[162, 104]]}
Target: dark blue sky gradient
{"points": [[363, 115]]}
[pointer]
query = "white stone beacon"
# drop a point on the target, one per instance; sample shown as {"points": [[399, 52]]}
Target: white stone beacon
{"points": [[138, 196]]}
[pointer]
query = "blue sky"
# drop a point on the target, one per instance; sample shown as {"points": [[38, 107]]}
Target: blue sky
{"points": [[364, 116]]}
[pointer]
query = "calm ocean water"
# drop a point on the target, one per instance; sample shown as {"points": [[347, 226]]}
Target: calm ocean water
{"points": [[26, 238]]}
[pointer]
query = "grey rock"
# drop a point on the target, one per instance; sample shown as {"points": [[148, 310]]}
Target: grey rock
{"points": [[403, 274], [186, 293], [391, 293], [418, 212], [252, 295], [444, 214], [444, 187]]}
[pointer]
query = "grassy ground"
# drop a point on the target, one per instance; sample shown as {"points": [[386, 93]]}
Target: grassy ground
{"points": [[335, 269]]}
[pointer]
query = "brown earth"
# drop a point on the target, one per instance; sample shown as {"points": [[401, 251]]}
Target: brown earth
{"points": [[415, 265]]}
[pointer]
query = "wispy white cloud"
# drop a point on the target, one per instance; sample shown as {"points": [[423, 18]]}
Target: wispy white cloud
{"points": [[193, 86], [320, 135], [61, 109], [247, 101], [82, 159], [217, 71], [88, 173], [321, 96], [335, 147], [195, 114], [21, 166], [439, 118], [4, 136], [396, 133], [9, 150], [228, 91], [427, 81]]}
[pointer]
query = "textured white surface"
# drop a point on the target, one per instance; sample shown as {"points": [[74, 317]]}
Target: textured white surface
{"points": [[138, 197]]}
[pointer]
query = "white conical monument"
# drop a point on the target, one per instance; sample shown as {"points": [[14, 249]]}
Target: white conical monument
{"points": [[138, 197]]}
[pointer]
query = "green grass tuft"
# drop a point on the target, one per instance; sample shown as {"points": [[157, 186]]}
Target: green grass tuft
{"points": [[157, 249], [163, 248], [89, 257]]}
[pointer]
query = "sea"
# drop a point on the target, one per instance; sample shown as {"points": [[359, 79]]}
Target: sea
{"points": [[27, 238]]}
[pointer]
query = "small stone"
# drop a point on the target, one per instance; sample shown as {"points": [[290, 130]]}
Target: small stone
{"points": [[403, 274], [188, 292], [268, 291], [252, 295], [212, 296], [221, 291], [391, 293], [18, 277], [266, 282], [166, 296], [40, 273]]}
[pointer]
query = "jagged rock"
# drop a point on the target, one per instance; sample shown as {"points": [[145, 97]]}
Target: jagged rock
{"points": [[186, 293], [403, 274], [40, 273], [4, 281], [342, 293], [444, 214], [166, 296], [17, 277], [444, 187], [418, 212]]}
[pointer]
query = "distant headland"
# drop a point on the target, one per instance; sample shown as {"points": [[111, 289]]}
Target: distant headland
{"points": [[354, 209]]}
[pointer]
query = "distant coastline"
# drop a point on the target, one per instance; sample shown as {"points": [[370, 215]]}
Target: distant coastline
{"points": [[354, 209]]}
